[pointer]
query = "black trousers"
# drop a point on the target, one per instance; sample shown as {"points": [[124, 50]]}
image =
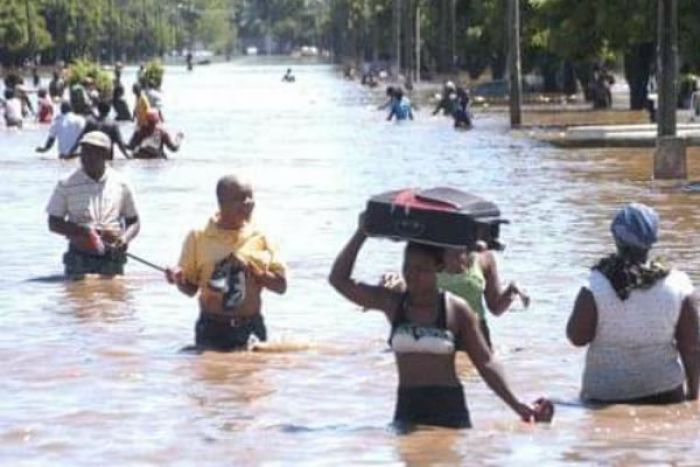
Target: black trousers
{"points": [[224, 334], [78, 263]]}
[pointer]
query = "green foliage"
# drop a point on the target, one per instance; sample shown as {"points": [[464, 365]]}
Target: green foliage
{"points": [[80, 70], [152, 74], [107, 30], [13, 33], [579, 32]]}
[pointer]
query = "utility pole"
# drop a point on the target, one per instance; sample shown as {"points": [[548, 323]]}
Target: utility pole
{"points": [[515, 80], [667, 66], [144, 25], [670, 156], [397, 19], [408, 37], [417, 41], [30, 32], [453, 30], [111, 31]]}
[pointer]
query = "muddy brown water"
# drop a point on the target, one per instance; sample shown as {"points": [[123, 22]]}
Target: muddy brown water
{"points": [[91, 370]]}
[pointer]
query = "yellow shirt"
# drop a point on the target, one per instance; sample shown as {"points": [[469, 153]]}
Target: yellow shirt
{"points": [[142, 108], [205, 247]]}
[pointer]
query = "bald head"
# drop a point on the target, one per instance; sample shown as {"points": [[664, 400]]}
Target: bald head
{"points": [[235, 202], [231, 188]]}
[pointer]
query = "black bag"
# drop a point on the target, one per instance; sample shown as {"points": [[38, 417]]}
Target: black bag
{"points": [[228, 278], [438, 216]]}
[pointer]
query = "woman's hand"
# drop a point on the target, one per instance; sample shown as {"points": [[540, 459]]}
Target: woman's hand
{"points": [[526, 413], [393, 282], [541, 411], [514, 290]]}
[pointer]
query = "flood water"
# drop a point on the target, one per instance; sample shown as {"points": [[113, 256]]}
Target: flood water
{"points": [[92, 372]]}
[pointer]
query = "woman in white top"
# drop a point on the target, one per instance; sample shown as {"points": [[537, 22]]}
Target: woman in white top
{"points": [[639, 319]]}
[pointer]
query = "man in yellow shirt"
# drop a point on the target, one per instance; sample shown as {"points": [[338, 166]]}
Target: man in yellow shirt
{"points": [[229, 237]]}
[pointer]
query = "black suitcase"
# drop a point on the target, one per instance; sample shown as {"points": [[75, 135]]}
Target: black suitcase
{"points": [[437, 216]]}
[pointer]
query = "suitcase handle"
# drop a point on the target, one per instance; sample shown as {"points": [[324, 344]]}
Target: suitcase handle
{"points": [[409, 228], [423, 196]]}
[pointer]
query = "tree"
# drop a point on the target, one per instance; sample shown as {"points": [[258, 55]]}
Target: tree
{"points": [[22, 30]]}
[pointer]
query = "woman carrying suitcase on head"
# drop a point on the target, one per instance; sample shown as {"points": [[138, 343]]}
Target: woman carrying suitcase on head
{"points": [[428, 326]]}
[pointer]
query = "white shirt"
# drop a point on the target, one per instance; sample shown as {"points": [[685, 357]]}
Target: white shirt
{"points": [[634, 353], [66, 128], [101, 204], [13, 109], [155, 98]]}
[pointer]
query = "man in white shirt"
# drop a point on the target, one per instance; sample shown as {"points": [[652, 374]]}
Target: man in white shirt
{"points": [[13, 109], [94, 207], [67, 128]]}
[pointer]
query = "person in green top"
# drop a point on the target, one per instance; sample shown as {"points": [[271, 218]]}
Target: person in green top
{"points": [[473, 276]]}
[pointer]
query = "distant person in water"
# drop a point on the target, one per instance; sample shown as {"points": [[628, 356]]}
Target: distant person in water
{"points": [[80, 100], [94, 208], [141, 107], [461, 109], [448, 100], [107, 126], [228, 264], [400, 107], [390, 97], [36, 79], [20, 91], [66, 128], [45, 113], [56, 86], [155, 99], [639, 319], [369, 79], [428, 328], [121, 108], [288, 76], [13, 110], [150, 140], [140, 75]]}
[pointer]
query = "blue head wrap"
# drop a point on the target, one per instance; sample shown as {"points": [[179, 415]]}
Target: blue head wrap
{"points": [[635, 225]]}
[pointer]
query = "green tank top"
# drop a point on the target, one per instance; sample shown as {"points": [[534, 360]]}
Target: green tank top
{"points": [[469, 285]]}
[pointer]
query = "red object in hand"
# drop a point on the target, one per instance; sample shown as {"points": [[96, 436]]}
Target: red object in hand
{"points": [[544, 410], [95, 242], [90, 243]]}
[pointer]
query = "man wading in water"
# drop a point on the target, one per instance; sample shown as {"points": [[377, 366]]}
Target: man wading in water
{"points": [[94, 207], [229, 262]]}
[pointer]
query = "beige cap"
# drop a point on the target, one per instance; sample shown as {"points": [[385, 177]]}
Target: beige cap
{"points": [[98, 139]]}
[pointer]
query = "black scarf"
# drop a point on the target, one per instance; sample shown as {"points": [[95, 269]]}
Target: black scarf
{"points": [[626, 275]]}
